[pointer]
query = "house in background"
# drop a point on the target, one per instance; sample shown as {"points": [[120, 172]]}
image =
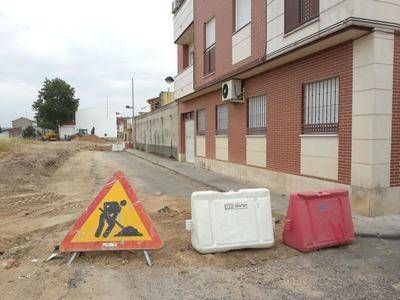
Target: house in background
{"points": [[166, 98], [163, 99], [20, 124], [125, 131], [293, 95], [128, 132], [157, 131], [23, 123], [154, 103], [5, 133], [120, 128]]}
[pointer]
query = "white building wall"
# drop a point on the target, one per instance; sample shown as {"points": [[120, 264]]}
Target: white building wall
{"points": [[103, 119], [66, 131], [157, 131]]}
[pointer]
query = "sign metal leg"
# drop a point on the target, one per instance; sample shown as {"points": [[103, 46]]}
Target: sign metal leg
{"points": [[148, 259], [73, 256], [146, 256], [56, 254]]}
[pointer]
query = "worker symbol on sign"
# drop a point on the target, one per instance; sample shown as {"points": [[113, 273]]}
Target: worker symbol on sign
{"points": [[109, 215]]}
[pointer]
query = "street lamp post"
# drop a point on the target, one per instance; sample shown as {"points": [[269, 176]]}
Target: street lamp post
{"points": [[116, 119], [133, 113]]}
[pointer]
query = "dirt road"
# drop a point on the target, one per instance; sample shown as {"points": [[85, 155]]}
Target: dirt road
{"points": [[36, 213]]}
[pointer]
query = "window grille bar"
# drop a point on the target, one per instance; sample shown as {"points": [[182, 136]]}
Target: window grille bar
{"points": [[321, 106], [257, 114]]}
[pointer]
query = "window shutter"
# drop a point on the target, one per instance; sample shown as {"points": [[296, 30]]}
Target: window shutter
{"points": [[292, 14], [201, 121], [212, 60], [206, 63], [309, 10]]}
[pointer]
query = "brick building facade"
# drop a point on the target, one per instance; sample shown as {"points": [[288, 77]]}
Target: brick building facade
{"points": [[324, 96], [395, 160]]}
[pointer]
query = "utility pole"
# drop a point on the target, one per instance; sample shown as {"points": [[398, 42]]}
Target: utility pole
{"points": [[133, 99], [107, 108], [133, 114]]}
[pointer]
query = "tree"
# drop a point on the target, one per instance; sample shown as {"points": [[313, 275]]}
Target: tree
{"points": [[56, 103], [29, 132]]}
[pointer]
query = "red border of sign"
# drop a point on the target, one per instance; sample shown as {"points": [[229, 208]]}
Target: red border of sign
{"points": [[154, 243]]}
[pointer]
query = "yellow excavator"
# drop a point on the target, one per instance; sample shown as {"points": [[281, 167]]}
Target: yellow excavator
{"points": [[50, 136]]}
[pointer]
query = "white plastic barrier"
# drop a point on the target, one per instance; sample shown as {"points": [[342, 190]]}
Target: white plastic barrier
{"points": [[234, 220], [117, 147]]}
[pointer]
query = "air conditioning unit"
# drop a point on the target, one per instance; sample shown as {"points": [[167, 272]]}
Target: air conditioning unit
{"points": [[232, 91]]}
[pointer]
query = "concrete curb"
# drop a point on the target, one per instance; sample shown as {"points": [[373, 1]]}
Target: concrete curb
{"points": [[383, 236]]}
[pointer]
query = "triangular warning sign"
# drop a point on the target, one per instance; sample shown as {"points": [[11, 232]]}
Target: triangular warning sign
{"points": [[115, 220]]}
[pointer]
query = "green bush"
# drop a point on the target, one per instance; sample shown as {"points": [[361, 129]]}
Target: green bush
{"points": [[29, 133]]}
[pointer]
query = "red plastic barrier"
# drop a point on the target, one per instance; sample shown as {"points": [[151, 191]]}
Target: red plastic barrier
{"points": [[318, 220]]}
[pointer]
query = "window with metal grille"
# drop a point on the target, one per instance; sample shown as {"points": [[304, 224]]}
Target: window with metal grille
{"points": [[257, 115], [298, 12], [209, 52], [201, 122], [321, 106], [222, 119]]}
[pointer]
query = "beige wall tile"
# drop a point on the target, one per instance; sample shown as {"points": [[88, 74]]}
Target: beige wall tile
{"points": [[200, 146], [370, 176], [373, 76], [371, 151], [256, 144], [319, 167], [372, 127], [320, 146], [221, 148], [371, 102], [256, 151]]}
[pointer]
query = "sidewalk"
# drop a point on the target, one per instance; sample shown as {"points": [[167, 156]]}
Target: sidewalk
{"points": [[385, 227]]}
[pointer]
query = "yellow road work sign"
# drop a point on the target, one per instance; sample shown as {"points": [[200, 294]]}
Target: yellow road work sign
{"points": [[115, 220]]}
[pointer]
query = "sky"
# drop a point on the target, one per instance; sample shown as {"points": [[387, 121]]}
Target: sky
{"points": [[96, 46]]}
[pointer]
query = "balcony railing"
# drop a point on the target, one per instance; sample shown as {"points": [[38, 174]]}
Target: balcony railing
{"points": [[176, 4]]}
